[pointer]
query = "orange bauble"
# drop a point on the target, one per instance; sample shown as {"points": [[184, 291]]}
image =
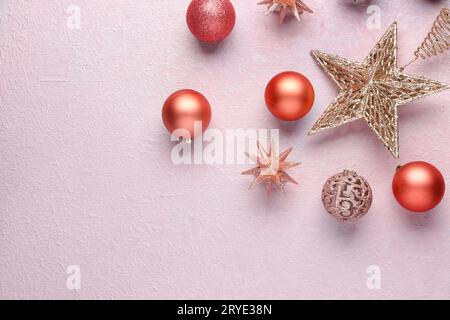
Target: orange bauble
{"points": [[289, 96], [418, 186], [183, 109]]}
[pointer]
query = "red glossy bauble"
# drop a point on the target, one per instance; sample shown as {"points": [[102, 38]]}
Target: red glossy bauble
{"points": [[211, 20], [418, 186], [182, 109], [289, 96]]}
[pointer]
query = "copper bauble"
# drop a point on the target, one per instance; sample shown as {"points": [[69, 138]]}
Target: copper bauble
{"points": [[289, 96], [418, 186], [211, 20], [183, 109], [347, 196]]}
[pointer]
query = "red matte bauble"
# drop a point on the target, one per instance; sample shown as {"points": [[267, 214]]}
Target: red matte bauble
{"points": [[211, 20], [418, 186], [183, 109], [289, 96]]}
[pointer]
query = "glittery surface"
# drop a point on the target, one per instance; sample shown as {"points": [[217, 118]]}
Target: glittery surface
{"points": [[211, 20], [271, 168], [347, 196], [372, 90], [283, 7]]}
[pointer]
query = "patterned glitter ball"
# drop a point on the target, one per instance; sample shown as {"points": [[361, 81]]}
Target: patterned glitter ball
{"points": [[347, 196]]}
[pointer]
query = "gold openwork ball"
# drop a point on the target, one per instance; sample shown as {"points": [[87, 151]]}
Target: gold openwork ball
{"points": [[347, 196]]}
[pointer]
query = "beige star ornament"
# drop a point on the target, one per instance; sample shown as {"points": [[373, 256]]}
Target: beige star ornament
{"points": [[372, 90], [271, 168], [283, 7]]}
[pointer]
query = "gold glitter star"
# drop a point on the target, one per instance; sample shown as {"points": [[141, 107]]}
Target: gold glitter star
{"points": [[297, 7], [271, 169], [372, 90]]}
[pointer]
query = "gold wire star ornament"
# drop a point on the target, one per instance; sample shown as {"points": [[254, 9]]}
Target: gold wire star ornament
{"points": [[372, 90], [283, 7], [270, 168]]}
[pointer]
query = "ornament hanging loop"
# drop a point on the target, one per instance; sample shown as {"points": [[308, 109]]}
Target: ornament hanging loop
{"points": [[408, 64], [437, 40]]}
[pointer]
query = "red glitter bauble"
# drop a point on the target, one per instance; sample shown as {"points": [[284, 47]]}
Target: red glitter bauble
{"points": [[418, 186], [211, 20]]}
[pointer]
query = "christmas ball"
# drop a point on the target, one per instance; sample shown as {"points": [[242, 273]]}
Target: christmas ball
{"points": [[289, 96], [418, 186], [347, 196], [211, 20], [184, 109]]}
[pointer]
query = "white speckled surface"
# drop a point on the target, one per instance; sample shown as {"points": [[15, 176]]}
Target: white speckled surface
{"points": [[86, 177]]}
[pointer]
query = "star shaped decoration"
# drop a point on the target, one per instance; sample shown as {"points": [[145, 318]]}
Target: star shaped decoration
{"points": [[270, 168], [297, 7], [372, 90]]}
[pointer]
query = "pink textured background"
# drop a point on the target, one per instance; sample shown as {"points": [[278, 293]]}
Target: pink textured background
{"points": [[86, 177]]}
